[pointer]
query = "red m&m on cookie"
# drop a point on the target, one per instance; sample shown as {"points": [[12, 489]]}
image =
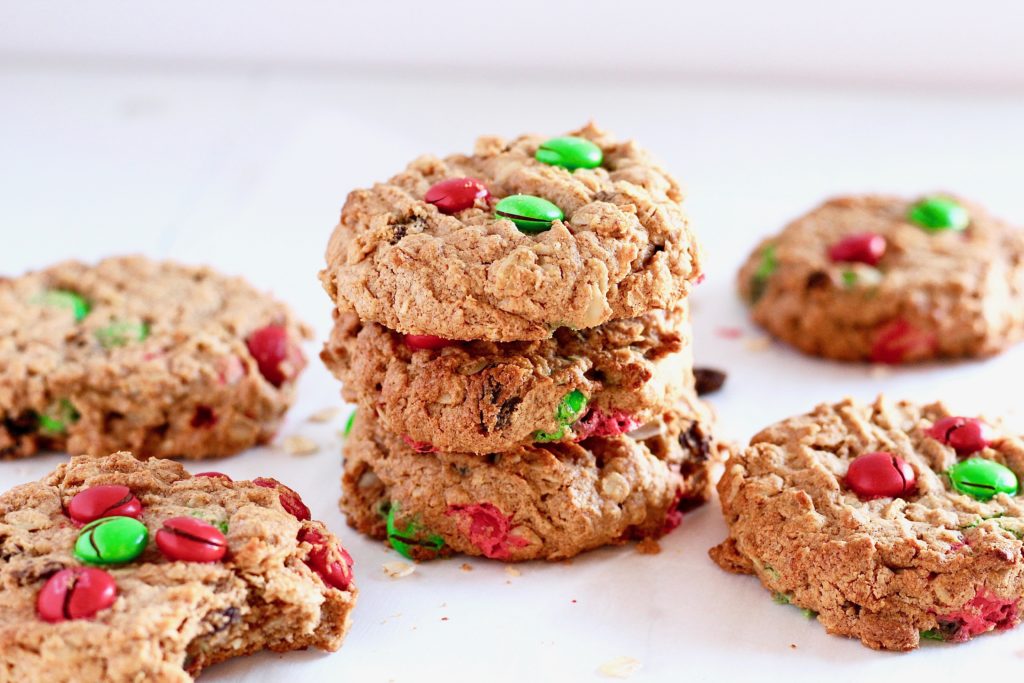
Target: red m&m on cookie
{"points": [[290, 500], [277, 358], [107, 500], [880, 475], [419, 342], [964, 434], [191, 540], [212, 475], [330, 562], [456, 194], [868, 247], [75, 593]]}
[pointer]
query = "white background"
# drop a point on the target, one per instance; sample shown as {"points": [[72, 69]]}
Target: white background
{"points": [[229, 134]]}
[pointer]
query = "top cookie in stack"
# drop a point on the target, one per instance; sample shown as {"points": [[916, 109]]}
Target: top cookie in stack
{"points": [[515, 241]]}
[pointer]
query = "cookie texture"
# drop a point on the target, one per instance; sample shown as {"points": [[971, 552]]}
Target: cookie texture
{"points": [[545, 501], [919, 294], [485, 397], [624, 247], [171, 618], [932, 563], [133, 354]]}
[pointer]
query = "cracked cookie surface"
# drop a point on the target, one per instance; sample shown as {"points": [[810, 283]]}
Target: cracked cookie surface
{"points": [[484, 397], [624, 247], [283, 582], [858, 279], [133, 354], [932, 562], [545, 501]]}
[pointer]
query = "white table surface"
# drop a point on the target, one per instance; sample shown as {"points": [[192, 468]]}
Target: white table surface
{"points": [[247, 172]]}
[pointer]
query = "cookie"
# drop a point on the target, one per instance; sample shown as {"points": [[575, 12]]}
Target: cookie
{"points": [[892, 521], [120, 570], [890, 280], [543, 501], [514, 241], [153, 357], [486, 397]]}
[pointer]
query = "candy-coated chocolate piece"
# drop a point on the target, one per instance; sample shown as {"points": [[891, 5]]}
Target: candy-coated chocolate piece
{"points": [[868, 247], [487, 528], [349, 422], [191, 540], [331, 563], [983, 479], [965, 434], [59, 298], [290, 500], [935, 214], [111, 540], [767, 266], [530, 214], [214, 475], [570, 152], [412, 535], [107, 500], [457, 194], [419, 446], [75, 593], [121, 333], [880, 475], [571, 407], [56, 419], [418, 342], [277, 358], [898, 341]]}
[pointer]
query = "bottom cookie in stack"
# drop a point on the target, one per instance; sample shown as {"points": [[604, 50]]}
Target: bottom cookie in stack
{"points": [[546, 501]]}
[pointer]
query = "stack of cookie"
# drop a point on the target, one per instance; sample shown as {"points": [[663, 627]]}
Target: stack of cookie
{"points": [[514, 328]]}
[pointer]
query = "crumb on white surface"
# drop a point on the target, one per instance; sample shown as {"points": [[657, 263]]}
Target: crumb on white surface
{"points": [[757, 344], [620, 667], [299, 445], [880, 371], [512, 571], [398, 570], [324, 415]]}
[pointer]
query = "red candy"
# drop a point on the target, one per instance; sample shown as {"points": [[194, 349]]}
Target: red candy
{"points": [[456, 194], [290, 500], [599, 423], [203, 418], [107, 500], [333, 572], [277, 358], [488, 529], [419, 446], [880, 475], [191, 540], [418, 342], [76, 593], [216, 475], [900, 342], [866, 248], [964, 434]]}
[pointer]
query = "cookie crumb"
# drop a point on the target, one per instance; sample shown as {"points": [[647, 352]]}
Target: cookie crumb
{"points": [[299, 445], [398, 570], [757, 344], [324, 415], [880, 371], [620, 667], [648, 546], [466, 567], [512, 571]]}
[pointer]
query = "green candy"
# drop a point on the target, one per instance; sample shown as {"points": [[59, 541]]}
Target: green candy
{"points": [[120, 333], [60, 298], [570, 409], [349, 422], [111, 540], [765, 269], [548, 437], [933, 634], [56, 419], [571, 153], [939, 213], [530, 214], [982, 479], [411, 534]]}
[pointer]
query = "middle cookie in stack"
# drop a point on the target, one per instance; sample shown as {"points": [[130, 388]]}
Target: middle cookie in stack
{"points": [[567, 419]]}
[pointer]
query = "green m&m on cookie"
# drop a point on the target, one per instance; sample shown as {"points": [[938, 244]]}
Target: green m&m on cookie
{"points": [[982, 479], [935, 214], [570, 152], [57, 417], [121, 333], [60, 298], [570, 409], [411, 541], [111, 540], [530, 214]]}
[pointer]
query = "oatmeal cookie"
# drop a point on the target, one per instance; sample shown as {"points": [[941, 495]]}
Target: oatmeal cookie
{"points": [[890, 280], [153, 357], [544, 501], [485, 397], [120, 570], [893, 522], [514, 241]]}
